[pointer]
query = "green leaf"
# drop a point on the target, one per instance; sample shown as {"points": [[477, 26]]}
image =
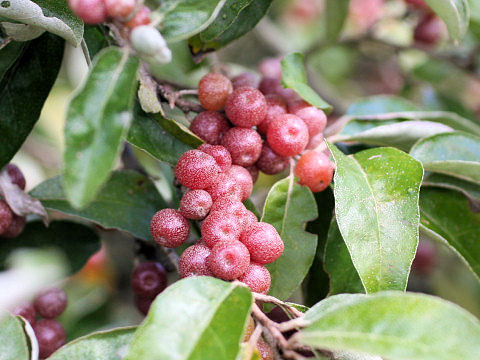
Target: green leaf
{"points": [[288, 207], [455, 154], [54, 16], [338, 264], [127, 202], [455, 14], [9, 55], [294, 77], [96, 38], [337, 11], [396, 326], [195, 318], [98, 117], [446, 216], [77, 241], [376, 204], [13, 341], [103, 345], [380, 104], [468, 189], [34, 73]]}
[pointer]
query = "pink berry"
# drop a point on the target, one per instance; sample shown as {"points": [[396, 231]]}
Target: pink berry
{"points": [[220, 154], [228, 260], [243, 179], [220, 227], [235, 207], [287, 135], [263, 243], [6, 216], [142, 17], [16, 175], [257, 277], [169, 228], [245, 79], [314, 118], [225, 186], [315, 141], [195, 204], [51, 303], [143, 304], [249, 219], [210, 126], [27, 311], [271, 163], [119, 8], [193, 261], [90, 11], [270, 85], [271, 67], [196, 169], [148, 279], [213, 91], [16, 227], [296, 105], [314, 170], [50, 336], [275, 106], [253, 170], [244, 145], [246, 107], [428, 30]]}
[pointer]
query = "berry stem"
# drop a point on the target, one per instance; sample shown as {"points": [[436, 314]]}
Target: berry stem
{"points": [[275, 301]]}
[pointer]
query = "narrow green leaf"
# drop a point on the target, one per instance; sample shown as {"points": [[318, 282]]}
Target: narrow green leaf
{"points": [[98, 117], [196, 318], [9, 55], [127, 202], [34, 73], [13, 341], [337, 11], [295, 77], [288, 207], [455, 14], [396, 326], [376, 204], [380, 104], [468, 189]]}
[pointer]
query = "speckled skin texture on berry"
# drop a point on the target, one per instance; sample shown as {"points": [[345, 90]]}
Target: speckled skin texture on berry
{"points": [[50, 336], [263, 243], [225, 186], [249, 219], [314, 170], [265, 351], [244, 145], [287, 135], [270, 162], [228, 260], [245, 79], [213, 91], [220, 154], [235, 207], [243, 180], [257, 277], [90, 11], [169, 228], [275, 106], [210, 126], [220, 227], [193, 261], [148, 279], [314, 118], [140, 18], [6, 216], [27, 311], [246, 107], [119, 8], [195, 204], [16, 175], [51, 303], [196, 169], [143, 304], [16, 227], [253, 170]]}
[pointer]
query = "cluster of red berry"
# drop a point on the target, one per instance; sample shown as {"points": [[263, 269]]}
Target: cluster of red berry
{"points": [[11, 224], [50, 334], [148, 280], [429, 27]]}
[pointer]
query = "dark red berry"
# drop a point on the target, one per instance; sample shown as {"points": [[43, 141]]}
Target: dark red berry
{"points": [[246, 107], [193, 261], [253, 170], [270, 162], [16, 227], [143, 304], [428, 30], [275, 106], [210, 126], [257, 277], [314, 118], [425, 258], [245, 79], [90, 11], [271, 67], [148, 279], [287, 135], [220, 154], [226, 186], [16, 175], [51, 303], [169, 228], [220, 227], [244, 145], [27, 311], [263, 243], [314, 170], [142, 17], [270, 85], [213, 91], [119, 8], [243, 180], [6, 216], [50, 336], [196, 169], [228, 260], [195, 204]]}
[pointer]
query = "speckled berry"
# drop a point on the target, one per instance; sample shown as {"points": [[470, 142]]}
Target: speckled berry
{"points": [[119, 8], [232, 206], [314, 170], [148, 279], [314, 118], [263, 243], [27, 311], [142, 17], [270, 162], [253, 170], [195, 204], [90, 11], [265, 351], [6, 216], [220, 154], [196, 169], [246, 107], [50, 336], [244, 145], [275, 106], [243, 180], [193, 261], [257, 277], [228, 260], [225, 186], [220, 227], [16, 227], [169, 228], [244, 79], [51, 303], [287, 135], [16, 175], [213, 91], [210, 126]]}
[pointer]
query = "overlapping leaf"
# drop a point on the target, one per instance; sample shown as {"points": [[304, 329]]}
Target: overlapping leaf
{"points": [[455, 14]]}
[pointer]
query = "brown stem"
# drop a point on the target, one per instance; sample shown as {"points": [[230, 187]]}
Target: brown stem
{"points": [[274, 300]]}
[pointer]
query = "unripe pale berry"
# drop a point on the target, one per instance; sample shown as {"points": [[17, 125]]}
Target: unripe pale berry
{"points": [[271, 67], [150, 45], [245, 79], [246, 107], [263, 243], [270, 162], [169, 228], [314, 170], [228, 260], [210, 126], [195, 204], [220, 154], [213, 91], [140, 18], [51, 303], [196, 169], [225, 186], [16, 175], [90, 11], [16, 227], [220, 227], [50, 336], [6, 216], [257, 277], [253, 170], [244, 145], [314, 118], [143, 304], [27, 311], [148, 279], [119, 8], [193, 261], [287, 135], [275, 106], [243, 180]]}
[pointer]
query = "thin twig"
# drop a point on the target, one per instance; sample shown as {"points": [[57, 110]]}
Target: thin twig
{"points": [[270, 325], [274, 300], [86, 53], [173, 99]]}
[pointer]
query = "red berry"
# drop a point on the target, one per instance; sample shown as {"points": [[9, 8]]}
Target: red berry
{"points": [[51, 303], [16, 227], [270, 85], [428, 30], [220, 227], [314, 170], [196, 169], [249, 219], [143, 304], [213, 91], [425, 258], [90, 11], [270, 162], [210, 126], [27, 311], [140, 18], [246, 107], [244, 145], [314, 118], [193, 261], [271, 67], [235, 207], [315, 141], [228, 260], [50, 336], [263, 243], [16, 175], [253, 170], [243, 180], [225, 186], [245, 79], [169, 228], [6, 216], [119, 8], [220, 154], [148, 279], [275, 106], [195, 204], [257, 277], [287, 135], [296, 105]]}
